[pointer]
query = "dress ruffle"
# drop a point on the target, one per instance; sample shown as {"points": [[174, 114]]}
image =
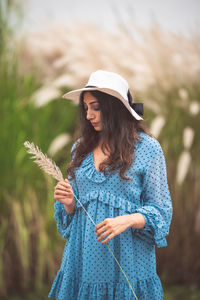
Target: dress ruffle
{"points": [[64, 288], [90, 171], [63, 219], [155, 228], [109, 199]]}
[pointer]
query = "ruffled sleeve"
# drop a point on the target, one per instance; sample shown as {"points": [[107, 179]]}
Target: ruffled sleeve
{"points": [[63, 219], [156, 201]]}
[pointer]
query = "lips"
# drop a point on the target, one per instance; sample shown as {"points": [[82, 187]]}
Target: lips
{"points": [[94, 124]]}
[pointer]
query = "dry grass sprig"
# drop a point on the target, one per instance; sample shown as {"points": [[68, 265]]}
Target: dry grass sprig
{"points": [[45, 163]]}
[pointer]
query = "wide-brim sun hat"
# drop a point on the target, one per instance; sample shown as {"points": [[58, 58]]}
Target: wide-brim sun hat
{"points": [[109, 83]]}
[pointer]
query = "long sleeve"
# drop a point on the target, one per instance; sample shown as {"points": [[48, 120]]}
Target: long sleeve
{"points": [[63, 219], [156, 202]]}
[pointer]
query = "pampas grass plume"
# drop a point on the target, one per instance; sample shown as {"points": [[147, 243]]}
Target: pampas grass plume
{"points": [[45, 163]]}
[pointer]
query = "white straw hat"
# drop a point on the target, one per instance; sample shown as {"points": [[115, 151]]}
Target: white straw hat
{"points": [[109, 83]]}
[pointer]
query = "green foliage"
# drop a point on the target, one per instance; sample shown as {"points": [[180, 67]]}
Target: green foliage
{"points": [[27, 253], [30, 248], [179, 262], [182, 293]]}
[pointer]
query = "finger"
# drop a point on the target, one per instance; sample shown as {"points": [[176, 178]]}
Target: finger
{"points": [[58, 197], [63, 188], [102, 229], [64, 184], [63, 201], [62, 192], [60, 182], [100, 225], [112, 235], [103, 235]]}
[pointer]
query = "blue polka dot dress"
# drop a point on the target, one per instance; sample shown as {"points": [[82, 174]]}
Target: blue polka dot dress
{"points": [[88, 270]]}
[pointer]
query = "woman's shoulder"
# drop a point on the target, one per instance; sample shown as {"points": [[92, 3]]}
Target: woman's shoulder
{"points": [[148, 143], [75, 144]]}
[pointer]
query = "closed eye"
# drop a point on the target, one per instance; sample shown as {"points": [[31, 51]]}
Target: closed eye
{"points": [[95, 108]]}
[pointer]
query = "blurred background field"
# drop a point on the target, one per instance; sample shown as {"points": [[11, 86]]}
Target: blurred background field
{"points": [[36, 68]]}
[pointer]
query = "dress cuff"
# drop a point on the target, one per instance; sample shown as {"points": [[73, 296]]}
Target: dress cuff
{"points": [[64, 220], [154, 231]]}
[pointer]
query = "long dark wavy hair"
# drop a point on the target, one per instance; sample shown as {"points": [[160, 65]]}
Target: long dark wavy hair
{"points": [[119, 135]]}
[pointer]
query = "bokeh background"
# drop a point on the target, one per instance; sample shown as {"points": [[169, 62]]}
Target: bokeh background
{"points": [[50, 47]]}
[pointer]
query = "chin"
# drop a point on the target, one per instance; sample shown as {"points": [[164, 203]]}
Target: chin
{"points": [[97, 128]]}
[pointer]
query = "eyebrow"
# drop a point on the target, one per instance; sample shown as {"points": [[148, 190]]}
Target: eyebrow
{"points": [[91, 102]]}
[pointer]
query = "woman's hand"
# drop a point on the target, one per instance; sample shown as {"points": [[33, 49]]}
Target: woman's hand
{"points": [[63, 193], [111, 227], [114, 226]]}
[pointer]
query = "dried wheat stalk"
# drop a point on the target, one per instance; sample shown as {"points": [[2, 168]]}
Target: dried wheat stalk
{"points": [[45, 163]]}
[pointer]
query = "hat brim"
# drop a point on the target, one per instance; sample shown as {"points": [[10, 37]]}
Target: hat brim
{"points": [[75, 95]]}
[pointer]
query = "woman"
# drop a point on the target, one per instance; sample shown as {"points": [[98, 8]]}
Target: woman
{"points": [[118, 173]]}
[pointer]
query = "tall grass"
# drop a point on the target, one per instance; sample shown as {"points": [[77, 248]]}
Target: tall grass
{"points": [[179, 263], [163, 70], [27, 254]]}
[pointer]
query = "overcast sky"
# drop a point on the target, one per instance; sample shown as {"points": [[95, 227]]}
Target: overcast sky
{"points": [[174, 15]]}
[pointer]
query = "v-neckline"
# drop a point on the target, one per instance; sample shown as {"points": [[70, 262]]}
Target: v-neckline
{"points": [[93, 160], [94, 163]]}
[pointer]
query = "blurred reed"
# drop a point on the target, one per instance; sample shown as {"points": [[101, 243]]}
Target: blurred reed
{"points": [[163, 71], [27, 254]]}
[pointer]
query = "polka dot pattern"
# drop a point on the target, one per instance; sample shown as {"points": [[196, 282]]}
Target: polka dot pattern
{"points": [[88, 270]]}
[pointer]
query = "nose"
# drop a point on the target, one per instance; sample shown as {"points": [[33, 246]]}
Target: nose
{"points": [[90, 114]]}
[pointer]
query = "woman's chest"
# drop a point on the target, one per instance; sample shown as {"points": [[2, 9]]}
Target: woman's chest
{"points": [[88, 180], [98, 157]]}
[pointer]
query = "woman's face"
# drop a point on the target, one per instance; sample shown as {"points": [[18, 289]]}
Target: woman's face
{"points": [[92, 109]]}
